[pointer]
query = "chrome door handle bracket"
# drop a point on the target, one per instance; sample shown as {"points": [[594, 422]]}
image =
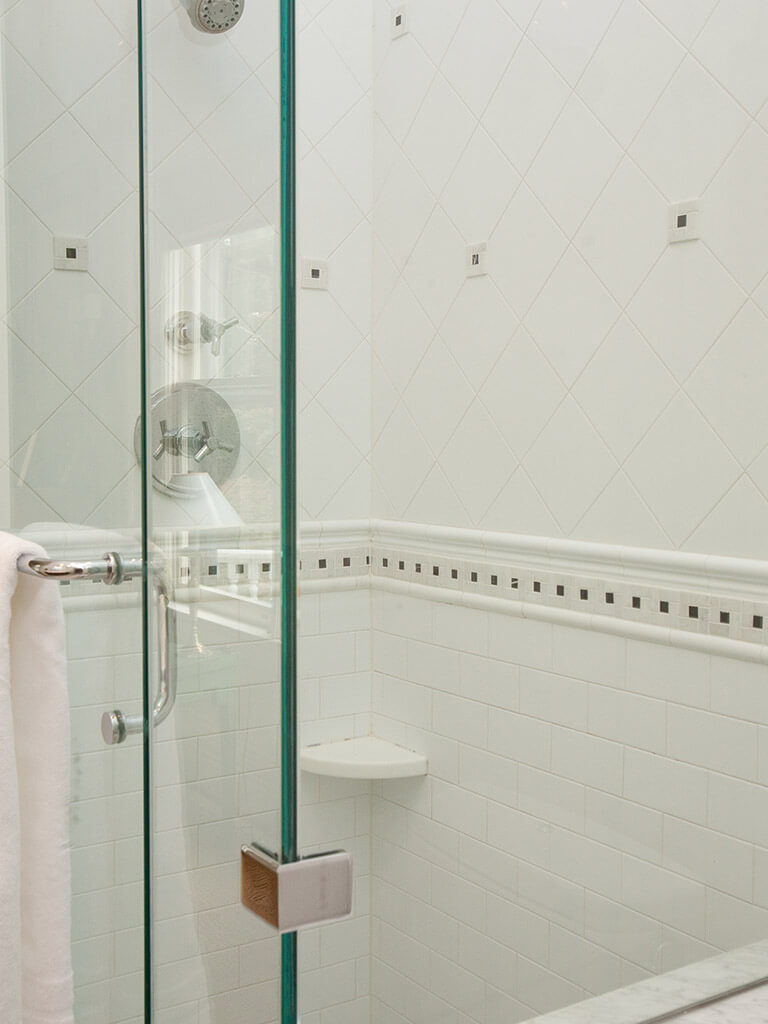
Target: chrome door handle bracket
{"points": [[116, 726]]}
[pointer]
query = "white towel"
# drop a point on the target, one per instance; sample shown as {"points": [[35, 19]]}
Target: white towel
{"points": [[36, 985]]}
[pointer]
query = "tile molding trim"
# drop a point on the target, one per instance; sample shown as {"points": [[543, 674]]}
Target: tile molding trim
{"points": [[700, 602]]}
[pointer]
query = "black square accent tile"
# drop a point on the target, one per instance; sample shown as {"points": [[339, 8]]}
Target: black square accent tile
{"points": [[213, 570], [240, 568], [725, 618], [664, 607], [693, 611], [346, 562], [636, 602], [757, 621], [266, 566], [609, 597], [322, 563]]}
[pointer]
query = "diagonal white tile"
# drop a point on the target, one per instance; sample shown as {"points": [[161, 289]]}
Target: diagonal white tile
{"points": [[681, 468], [684, 18], [70, 323], [327, 338], [522, 392], [480, 188], [477, 328], [66, 179], [732, 47], [334, 213], [33, 107], [684, 304], [436, 268], [524, 249], [727, 385], [525, 105], [520, 509], [572, 167], [34, 392], [326, 88], [402, 210], [479, 52], [48, 34], [634, 61], [620, 516], [433, 24], [477, 462], [569, 464], [326, 457], [624, 388], [401, 84], [437, 395], [72, 446], [625, 232], [198, 71], [681, 163], [117, 408], [347, 398], [571, 316], [439, 134], [403, 334], [567, 34], [195, 195], [735, 526], [436, 502], [109, 113], [401, 460], [31, 261], [736, 209]]}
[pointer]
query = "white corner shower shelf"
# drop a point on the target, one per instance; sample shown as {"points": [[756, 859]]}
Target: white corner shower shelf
{"points": [[366, 757]]}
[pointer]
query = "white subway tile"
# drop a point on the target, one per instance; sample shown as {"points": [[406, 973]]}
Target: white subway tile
{"points": [[713, 741]]}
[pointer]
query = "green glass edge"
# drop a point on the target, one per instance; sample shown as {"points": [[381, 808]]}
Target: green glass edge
{"points": [[145, 628], [288, 517]]}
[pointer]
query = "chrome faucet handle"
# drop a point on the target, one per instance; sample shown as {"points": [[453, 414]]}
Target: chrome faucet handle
{"points": [[184, 329], [213, 330], [167, 442], [210, 444]]}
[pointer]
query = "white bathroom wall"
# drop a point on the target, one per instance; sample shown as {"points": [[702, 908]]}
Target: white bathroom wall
{"points": [[597, 382], [335, 197], [591, 815]]}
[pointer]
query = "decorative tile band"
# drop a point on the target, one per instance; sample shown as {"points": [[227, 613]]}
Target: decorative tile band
{"points": [[668, 591]]}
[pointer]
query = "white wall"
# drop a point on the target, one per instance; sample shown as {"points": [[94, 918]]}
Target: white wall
{"points": [[591, 815], [597, 383]]}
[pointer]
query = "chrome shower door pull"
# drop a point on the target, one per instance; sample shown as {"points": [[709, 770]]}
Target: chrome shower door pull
{"points": [[116, 726]]}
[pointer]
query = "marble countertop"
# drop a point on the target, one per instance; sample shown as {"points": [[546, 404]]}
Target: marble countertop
{"points": [[746, 1008]]}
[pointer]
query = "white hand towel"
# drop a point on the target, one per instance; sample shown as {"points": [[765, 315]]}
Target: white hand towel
{"points": [[36, 985]]}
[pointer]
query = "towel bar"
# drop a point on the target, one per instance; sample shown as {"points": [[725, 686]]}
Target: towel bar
{"points": [[114, 569]]}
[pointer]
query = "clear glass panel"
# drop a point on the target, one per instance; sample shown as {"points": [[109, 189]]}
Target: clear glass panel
{"points": [[533, 363], [71, 364], [214, 503]]}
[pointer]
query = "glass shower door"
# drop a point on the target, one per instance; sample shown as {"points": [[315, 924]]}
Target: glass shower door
{"points": [[216, 522]]}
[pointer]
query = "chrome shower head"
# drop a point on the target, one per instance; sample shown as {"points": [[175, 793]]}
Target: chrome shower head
{"points": [[215, 15]]}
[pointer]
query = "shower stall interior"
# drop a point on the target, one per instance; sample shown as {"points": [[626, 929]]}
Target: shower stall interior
{"points": [[514, 470]]}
